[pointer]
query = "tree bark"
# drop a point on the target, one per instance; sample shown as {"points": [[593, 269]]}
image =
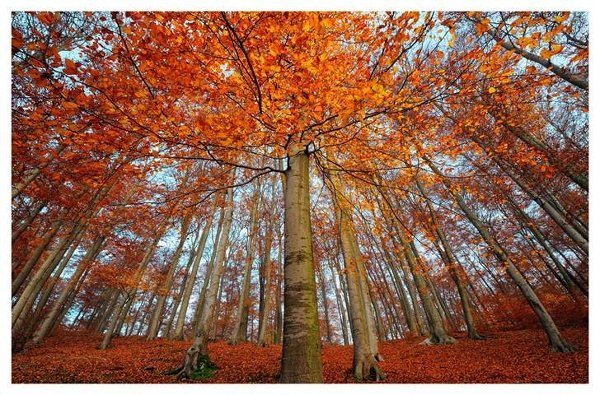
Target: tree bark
{"points": [[453, 266], [366, 352], [301, 355], [240, 328], [167, 284], [263, 321], [556, 341], [48, 322], [197, 357]]}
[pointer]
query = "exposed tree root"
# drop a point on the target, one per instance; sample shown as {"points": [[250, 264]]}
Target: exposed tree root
{"points": [[476, 336], [563, 346], [367, 369], [196, 364], [434, 340]]}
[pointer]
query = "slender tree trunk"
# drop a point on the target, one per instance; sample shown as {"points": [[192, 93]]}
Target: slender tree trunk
{"points": [[323, 290], [263, 321], [34, 173], [25, 224], [127, 299], [209, 269], [197, 357], [167, 284], [366, 353], [47, 324], [448, 257], [105, 314], [181, 289], [567, 277], [552, 212], [240, 327], [438, 331], [191, 279], [340, 305], [557, 342], [29, 265], [278, 333]]}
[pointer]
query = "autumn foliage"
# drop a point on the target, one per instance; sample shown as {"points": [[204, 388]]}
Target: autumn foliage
{"points": [[304, 182]]}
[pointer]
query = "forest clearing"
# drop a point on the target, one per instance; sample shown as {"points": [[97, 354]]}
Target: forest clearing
{"points": [[300, 197]]}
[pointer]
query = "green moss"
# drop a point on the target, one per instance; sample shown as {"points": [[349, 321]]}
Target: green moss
{"points": [[205, 370]]}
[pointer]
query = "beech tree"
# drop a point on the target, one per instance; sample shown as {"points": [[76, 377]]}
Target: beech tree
{"points": [[298, 178]]}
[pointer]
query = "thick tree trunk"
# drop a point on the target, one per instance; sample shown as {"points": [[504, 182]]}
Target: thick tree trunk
{"points": [[301, 355]]}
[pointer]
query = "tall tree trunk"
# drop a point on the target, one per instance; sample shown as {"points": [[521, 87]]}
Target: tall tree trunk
{"points": [[340, 304], [278, 332], [167, 284], [240, 328], [191, 279], [125, 301], [197, 357], [34, 173], [263, 321], [301, 355], [27, 221], [181, 289], [557, 342], [366, 352], [558, 217], [33, 258], [321, 281], [436, 324], [209, 269], [52, 316], [453, 266]]}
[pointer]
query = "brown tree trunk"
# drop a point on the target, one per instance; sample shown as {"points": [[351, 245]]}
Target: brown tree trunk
{"points": [[556, 341], [165, 287], [366, 353], [197, 357], [52, 316], [453, 266], [191, 279], [301, 355], [263, 321], [25, 223], [240, 327]]}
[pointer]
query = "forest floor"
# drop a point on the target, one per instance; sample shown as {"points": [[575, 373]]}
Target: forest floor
{"points": [[505, 357]]}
